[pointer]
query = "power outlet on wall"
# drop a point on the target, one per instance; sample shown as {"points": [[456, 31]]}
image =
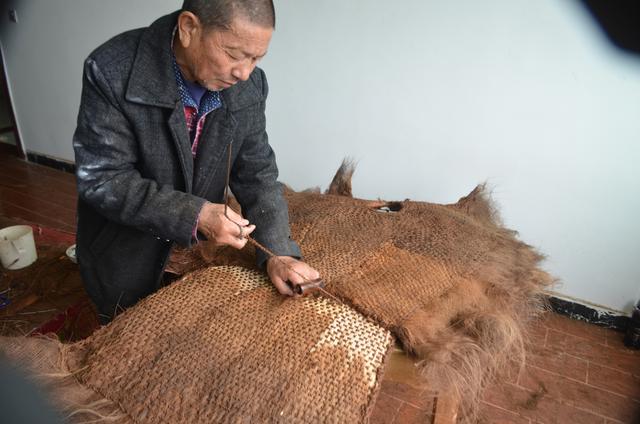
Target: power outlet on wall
{"points": [[13, 15]]}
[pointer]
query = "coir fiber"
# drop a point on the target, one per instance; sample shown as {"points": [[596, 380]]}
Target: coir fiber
{"points": [[219, 346], [452, 284]]}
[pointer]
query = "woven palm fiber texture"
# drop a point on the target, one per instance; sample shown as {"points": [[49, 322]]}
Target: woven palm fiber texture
{"points": [[454, 286], [219, 346]]}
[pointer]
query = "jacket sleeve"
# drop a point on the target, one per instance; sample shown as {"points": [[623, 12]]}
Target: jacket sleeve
{"points": [[106, 155], [254, 182]]}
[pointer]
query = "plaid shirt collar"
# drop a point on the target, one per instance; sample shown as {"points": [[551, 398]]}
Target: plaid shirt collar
{"points": [[211, 100]]}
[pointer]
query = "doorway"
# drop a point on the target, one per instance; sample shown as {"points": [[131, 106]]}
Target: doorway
{"points": [[9, 136]]}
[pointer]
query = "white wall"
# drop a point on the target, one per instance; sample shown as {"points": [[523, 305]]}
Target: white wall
{"points": [[44, 54], [431, 97]]}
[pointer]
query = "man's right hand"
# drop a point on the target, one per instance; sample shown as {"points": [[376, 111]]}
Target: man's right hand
{"points": [[218, 228]]}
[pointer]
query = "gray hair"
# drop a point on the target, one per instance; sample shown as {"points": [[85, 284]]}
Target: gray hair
{"points": [[219, 14]]}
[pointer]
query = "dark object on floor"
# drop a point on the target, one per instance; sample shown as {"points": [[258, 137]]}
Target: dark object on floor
{"points": [[591, 315], [4, 301], [632, 338]]}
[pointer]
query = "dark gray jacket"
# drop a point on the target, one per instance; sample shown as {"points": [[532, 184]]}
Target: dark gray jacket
{"points": [[139, 188]]}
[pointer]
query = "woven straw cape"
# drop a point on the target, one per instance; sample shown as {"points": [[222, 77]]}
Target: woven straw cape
{"points": [[218, 346], [454, 286], [450, 283]]}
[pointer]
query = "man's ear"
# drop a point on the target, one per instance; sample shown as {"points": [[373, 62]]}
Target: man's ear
{"points": [[189, 27]]}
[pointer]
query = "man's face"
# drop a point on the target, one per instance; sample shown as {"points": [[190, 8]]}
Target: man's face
{"points": [[217, 59]]}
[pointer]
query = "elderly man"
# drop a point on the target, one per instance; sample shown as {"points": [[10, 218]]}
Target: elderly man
{"points": [[161, 107]]}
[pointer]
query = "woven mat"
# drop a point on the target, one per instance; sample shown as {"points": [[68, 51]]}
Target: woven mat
{"points": [[454, 286], [222, 346]]}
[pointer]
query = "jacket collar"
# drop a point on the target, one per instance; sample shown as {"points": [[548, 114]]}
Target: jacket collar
{"points": [[152, 81]]}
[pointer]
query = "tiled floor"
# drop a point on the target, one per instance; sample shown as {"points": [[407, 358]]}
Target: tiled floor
{"points": [[575, 372], [36, 193]]}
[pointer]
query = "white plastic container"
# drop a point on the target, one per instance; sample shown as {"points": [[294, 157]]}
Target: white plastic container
{"points": [[17, 247]]}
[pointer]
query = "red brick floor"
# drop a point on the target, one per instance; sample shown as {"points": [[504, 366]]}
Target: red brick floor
{"points": [[575, 372]]}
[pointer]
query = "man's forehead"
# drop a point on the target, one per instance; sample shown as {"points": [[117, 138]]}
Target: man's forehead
{"points": [[246, 50], [249, 42]]}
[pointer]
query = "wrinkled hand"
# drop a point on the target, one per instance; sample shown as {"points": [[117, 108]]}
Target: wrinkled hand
{"points": [[285, 268], [218, 228]]}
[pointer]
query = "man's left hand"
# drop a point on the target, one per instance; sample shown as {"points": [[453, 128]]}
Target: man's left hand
{"points": [[285, 268]]}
